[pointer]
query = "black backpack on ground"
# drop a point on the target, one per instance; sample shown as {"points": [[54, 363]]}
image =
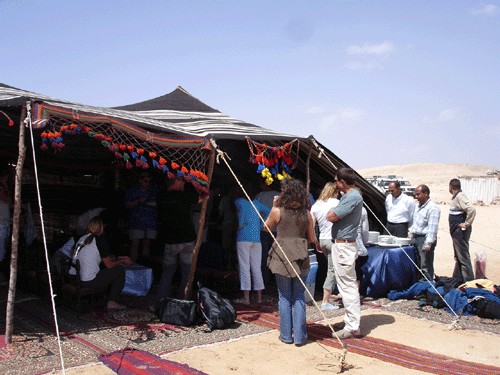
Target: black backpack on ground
{"points": [[217, 310], [486, 308]]}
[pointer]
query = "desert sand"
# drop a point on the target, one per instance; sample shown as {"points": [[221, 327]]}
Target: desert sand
{"points": [[264, 354]]}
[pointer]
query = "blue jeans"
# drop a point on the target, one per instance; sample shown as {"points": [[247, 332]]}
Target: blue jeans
{"points": [[292, 308]]}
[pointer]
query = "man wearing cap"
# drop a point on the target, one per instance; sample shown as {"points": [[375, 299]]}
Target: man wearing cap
{"points": [[399, 208], [461, 216], [345, 218], [424, 230]]}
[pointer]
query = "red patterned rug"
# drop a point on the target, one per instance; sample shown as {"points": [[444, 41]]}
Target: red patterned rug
{"points": [[138, 362], [84, 336], [398, 354]]}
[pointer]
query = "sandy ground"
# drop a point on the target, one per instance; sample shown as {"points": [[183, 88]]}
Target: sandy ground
{"points": [[264, 354]]}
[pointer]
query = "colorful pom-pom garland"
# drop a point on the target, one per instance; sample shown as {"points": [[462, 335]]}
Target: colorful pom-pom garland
{"points": [[273, 162], [129, 155]]}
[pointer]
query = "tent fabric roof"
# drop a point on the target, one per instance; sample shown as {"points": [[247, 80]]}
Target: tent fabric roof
{"points": [[180, 113], [177, 100], [177, 112], [14, 97]]}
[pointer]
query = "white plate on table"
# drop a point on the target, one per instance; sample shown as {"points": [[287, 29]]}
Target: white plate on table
{"points": [[384, 244]]}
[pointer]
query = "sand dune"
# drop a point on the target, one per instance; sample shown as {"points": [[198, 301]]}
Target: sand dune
{"points": [[434, 175]]}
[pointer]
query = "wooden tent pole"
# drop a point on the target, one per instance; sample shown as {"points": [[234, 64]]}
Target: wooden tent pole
{"points": [[9, 318], [308, 170], [201, 224]]}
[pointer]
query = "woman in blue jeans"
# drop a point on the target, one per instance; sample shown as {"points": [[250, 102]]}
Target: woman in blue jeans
{"points": [[288, 258]]}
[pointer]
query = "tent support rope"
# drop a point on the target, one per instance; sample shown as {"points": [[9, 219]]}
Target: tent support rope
{"points": [[222, 155], [454, 324], [52, 295]]}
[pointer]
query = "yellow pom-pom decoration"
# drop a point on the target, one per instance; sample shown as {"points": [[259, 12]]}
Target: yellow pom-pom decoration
{"points": [[265, 173], [280, 177]]}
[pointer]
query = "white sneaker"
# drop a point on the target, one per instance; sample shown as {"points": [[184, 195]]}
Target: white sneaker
{"points": [[328, 307]]}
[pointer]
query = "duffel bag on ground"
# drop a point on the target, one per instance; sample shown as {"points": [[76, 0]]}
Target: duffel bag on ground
{"points": [[178, 312]]}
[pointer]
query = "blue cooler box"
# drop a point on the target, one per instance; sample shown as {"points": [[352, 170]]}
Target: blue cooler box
{"points": [[311, 278]]}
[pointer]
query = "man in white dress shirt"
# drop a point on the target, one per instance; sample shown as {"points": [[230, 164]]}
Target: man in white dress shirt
{"points": [[399, 208]]}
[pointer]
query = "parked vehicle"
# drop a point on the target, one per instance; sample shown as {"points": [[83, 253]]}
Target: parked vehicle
{"points": [[382, 184]]}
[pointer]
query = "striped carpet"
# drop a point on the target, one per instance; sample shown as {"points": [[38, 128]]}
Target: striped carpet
{"points": [[387, 351], [139, 362]]}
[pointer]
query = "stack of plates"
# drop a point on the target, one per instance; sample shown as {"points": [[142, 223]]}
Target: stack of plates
{"points": [[402, 241], [373, 236], [386, 239]]}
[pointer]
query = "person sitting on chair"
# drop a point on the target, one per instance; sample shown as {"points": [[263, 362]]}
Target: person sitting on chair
{"points": [[97, 268]]}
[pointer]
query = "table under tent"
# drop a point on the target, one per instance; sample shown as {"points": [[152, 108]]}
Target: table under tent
{"points": [[78, 156]]}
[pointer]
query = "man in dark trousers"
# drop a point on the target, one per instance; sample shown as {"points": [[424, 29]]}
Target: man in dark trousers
{"points": [[174, 211], [400, 208], [424, 230], [462, 214]]}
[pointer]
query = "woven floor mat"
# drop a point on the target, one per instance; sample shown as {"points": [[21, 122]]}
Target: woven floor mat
{"points": [[86, 336], [380, 349], [137, 362]]}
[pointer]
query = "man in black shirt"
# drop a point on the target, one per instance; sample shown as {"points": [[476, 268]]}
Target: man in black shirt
{"points": [[174, 212]]}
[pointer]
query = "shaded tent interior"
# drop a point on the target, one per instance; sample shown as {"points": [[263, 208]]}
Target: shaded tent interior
{"points": [[84, 174]]}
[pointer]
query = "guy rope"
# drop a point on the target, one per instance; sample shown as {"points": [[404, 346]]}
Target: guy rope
{"points": [[342, 357], [454, 323]]}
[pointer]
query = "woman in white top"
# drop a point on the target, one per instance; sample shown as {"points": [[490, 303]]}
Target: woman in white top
{"points": [[327, 200], [97, 267]]}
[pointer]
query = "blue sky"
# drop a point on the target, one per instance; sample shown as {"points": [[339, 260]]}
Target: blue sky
{"points": [[377, 82]]}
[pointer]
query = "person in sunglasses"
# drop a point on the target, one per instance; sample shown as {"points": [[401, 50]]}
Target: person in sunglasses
{"points": [[140, 200]]}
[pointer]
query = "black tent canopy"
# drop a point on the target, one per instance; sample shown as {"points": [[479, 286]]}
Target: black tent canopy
{"points": [[205, 121], [179, 114], [175, 126]]}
